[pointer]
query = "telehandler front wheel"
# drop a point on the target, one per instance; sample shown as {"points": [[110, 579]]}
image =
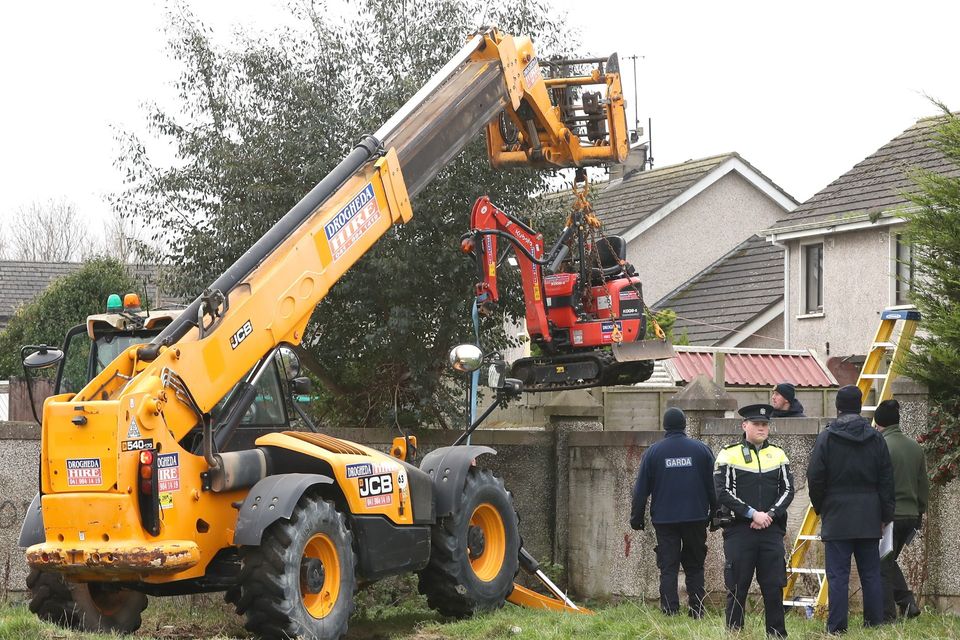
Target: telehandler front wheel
{"points": [[300, 581], [474, 552], [93, 606]]}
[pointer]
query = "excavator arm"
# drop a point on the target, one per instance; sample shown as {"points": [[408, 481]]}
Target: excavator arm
{"points": [[488, 222]]}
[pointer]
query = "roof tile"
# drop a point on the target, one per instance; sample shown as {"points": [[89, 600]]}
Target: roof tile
{"points": [[876, 183]]}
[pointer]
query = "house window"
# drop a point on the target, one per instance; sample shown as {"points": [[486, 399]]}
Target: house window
{"points": [[903, 270], [813, 278]]}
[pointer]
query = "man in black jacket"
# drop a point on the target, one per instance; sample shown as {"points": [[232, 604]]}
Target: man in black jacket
{"points": [[785, 403], [850, 480], [754, 483], [676, 472]]}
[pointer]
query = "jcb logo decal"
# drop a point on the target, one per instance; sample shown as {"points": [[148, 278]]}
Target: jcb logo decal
{"points": [[241, 334], [375, 485]]}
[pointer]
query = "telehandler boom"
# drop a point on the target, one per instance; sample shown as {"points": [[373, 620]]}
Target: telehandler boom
{"points": [[289, 526]]}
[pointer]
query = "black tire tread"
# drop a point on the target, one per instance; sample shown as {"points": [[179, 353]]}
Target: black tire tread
{"points": [[54, 599], [51, 600], [444, 581], [269, 592]]}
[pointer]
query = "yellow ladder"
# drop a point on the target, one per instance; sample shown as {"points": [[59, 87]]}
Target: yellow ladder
{"points": [[875, 369]]}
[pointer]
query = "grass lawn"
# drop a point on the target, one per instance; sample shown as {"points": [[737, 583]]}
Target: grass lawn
{"points": [[379, 618]]}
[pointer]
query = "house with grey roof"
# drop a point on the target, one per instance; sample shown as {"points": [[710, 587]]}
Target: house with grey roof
{"points": [[680, 219], [845, 259], [735, 302], [20, 282]]}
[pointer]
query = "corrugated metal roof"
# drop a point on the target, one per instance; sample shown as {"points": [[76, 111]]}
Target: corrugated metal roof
{"points": [[754, 367]]}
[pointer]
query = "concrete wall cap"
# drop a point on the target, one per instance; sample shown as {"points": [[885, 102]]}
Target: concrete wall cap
{"points": [[19, 430], [779, 426], [904, 386], [703, 394]]}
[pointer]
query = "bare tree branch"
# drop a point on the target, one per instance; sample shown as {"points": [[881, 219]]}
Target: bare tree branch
{"points": [[49, 232]]}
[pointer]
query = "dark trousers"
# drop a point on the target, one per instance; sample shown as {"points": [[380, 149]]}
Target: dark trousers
{"points": [[681, 544], [867, 553], [748, 552], [895, 589]]}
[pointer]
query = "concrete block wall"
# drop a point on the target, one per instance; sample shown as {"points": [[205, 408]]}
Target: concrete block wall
{"points": [[606, 558], [572, 483], [19, 462]]}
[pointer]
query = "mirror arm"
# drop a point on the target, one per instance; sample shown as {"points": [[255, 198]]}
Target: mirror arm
{"points": [[26, 381], [303, 415]]}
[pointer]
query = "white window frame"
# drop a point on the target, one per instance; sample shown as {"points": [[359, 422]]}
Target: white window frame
{"points": [[895, 241], [802, 312]]}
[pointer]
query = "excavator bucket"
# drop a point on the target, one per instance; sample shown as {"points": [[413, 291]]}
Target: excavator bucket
{"points": [[643, 350]]}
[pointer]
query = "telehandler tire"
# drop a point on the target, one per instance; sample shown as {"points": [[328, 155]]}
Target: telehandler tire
{"points": [[474, 552], [92, 606], [300, 581]]}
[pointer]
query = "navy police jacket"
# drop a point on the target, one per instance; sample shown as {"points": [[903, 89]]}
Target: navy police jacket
{"points": [[677, 473]]}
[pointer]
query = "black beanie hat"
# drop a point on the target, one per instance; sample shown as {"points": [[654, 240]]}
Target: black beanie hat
{"points": [[787, 390], [674, 420], [849, 399], [887, 413]]}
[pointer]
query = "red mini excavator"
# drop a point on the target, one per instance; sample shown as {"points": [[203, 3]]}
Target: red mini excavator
{"points": [[586, 317]]}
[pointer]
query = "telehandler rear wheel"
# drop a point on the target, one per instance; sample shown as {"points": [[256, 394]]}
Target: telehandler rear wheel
{"points": [[474, 552], [89, 606], [300, 581]]}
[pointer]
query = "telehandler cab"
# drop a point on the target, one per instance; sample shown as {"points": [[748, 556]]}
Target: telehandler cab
{"points": [[139, 492]]}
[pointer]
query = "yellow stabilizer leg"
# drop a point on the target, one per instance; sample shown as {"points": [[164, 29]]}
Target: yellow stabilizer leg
{"points": [[523, 597]]}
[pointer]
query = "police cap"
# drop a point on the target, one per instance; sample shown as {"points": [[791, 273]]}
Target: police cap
{"points": [[756, 412]]}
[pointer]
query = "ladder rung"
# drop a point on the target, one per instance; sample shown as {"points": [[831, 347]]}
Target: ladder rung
{"points": [[874, 376], [868, 407], [806, 570], [884, 345], [808, 537], [800, 602]]}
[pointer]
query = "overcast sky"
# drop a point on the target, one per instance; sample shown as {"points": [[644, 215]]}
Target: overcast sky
{"points": [[802, 90]]}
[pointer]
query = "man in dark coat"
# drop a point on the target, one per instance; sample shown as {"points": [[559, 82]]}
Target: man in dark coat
{"points": [[677, 473], [785, 403], [912, 488], [850, 480]]}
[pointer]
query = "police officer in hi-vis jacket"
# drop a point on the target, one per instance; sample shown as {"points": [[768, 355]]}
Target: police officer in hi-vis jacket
{"points": [[754, 483]]}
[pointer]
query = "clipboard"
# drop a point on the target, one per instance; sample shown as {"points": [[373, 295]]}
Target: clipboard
{"points": [[886, 540]]}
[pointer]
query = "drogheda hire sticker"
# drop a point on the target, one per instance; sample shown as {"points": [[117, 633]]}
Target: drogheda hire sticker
{"points": [[370, 468], [168, 472], [84, 472], [352, 222]]}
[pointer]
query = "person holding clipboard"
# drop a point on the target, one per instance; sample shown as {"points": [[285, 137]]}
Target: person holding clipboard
{"points": [[912, 490]]}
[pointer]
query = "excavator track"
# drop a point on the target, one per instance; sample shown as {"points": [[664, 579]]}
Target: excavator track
{"points": [[578, 371]]}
